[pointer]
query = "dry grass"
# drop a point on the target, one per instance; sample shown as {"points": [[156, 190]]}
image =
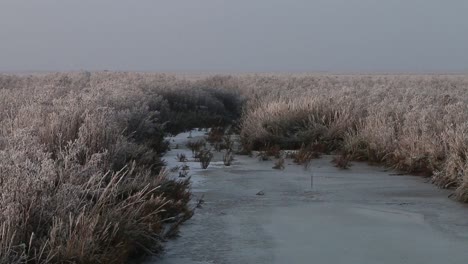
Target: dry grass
{"points": [[80, 167], [227, 143], [196, 146], [274, 151], [342, 161], [279, 164], [416, 124], [216, 135], [80, 153], [228, 158], [181, 157], [305, 155], [263, 156], [204, 156]]}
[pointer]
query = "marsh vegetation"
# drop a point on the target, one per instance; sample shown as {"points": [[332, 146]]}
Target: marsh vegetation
{"points": [[82, 176]]}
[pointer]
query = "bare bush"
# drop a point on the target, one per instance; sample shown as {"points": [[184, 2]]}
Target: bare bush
{"points": [[216, 135], [184, 171], [263, 156], [305, 155], [279, 164], [181, 157], [228, 158], [205, 156], [274, 151], [226, 143], [196, 146], [342, 161]]}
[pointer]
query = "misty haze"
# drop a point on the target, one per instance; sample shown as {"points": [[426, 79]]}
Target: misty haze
{"points": [[235, 36]]}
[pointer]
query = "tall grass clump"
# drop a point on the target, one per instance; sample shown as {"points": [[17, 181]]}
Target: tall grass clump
{"points": [[204, 156]]}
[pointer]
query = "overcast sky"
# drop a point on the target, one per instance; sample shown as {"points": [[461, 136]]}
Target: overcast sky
{"points": [[234, 35]]}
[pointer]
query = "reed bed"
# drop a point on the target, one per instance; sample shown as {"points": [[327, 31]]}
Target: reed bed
{"points": [[416, 124], [81, 174]]}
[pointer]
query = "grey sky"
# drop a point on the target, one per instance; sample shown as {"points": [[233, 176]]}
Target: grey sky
{"points": [[235, 35]]}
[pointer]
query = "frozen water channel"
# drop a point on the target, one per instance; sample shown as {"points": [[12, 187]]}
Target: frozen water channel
{"points": [[361, 215]]}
